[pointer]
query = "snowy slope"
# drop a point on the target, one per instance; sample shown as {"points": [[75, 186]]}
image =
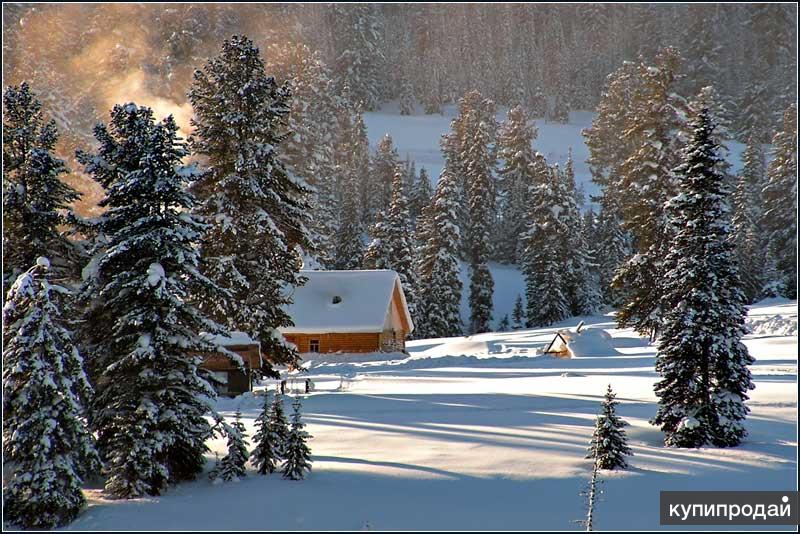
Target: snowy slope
{"points": [[483, 432], [418, 137]]}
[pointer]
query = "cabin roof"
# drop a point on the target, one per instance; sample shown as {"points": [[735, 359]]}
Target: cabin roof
{"points": [[356, 301]]}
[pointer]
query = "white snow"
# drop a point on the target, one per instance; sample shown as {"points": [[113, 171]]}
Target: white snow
{"points": [[235, 338], [155, 273], [343, 301], [482, 432]]}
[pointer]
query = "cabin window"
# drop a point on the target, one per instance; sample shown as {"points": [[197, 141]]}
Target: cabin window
{"points": [[313, 345]]}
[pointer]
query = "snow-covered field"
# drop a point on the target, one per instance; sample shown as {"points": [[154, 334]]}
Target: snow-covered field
{"points": [[484, 432]]}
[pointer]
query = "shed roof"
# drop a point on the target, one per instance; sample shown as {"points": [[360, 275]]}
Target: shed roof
{"points": [[345, 301]]}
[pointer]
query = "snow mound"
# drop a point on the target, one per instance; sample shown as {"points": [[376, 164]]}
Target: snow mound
{"points": [[588, 343]]}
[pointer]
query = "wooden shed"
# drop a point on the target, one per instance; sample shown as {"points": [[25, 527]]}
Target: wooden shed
{"points": [[349, 311], [233, 380]]}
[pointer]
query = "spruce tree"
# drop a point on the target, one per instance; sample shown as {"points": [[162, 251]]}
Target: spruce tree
{"points": [[142, 332], [297, 456], [439, 268], [399, 248], [478, 160], [504, 325], [233, 465], [779, 218], [420, 196], [356, 38], [546, 289], [309, 149], [656, 114], [518, 314], [267, 452], [609, 446], [36, 202], [750, 249], [279, 425], [515, 177], [406, 97], [250, 199], [348, 246], [46, 446], [385, 164], [701, 359]]}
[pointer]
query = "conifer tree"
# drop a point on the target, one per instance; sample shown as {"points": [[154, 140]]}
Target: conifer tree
{"points": [[701, 359], [267, 452], [297, 457], [356, 36], [385, 164], [477, 160], [515, 177], [612, 248], [376, 254], [609, 446], [649, 153], [348, 246], [747, 212], [397, 242], [46, 446], [582, 285], [278, 424], [141, 331], [545, 281], [779, 219], [518, 314], [309, 151], [406, 97], [440, 285], [245, 191], [504, 325], [36, 202], [233, 465], [420, 196]]}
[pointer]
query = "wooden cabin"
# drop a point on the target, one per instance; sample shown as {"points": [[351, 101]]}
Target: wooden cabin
{"points": [[349, 311], [233, 380]]}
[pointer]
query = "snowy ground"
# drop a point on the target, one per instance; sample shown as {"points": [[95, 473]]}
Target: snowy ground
{"points": [[485, 433]]}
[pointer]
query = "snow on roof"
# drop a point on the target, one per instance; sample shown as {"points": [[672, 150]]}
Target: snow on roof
{"points": [[344, 301], [236, 338]]}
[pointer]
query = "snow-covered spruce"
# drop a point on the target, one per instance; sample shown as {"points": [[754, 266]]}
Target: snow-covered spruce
{"points": [[46, 446], [780, 202], [751, 247], [609, 445], [352, 170], [440, 294], [514, 180], [36, 202], [250, 199], [297, 456], [233, 465], [518, 315], [545, 278], [358, 52], [385, 163], [633, 150], [142, 332], [310, 151], [701, 359], [268, 447], [476, 159], [278, 424]]}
